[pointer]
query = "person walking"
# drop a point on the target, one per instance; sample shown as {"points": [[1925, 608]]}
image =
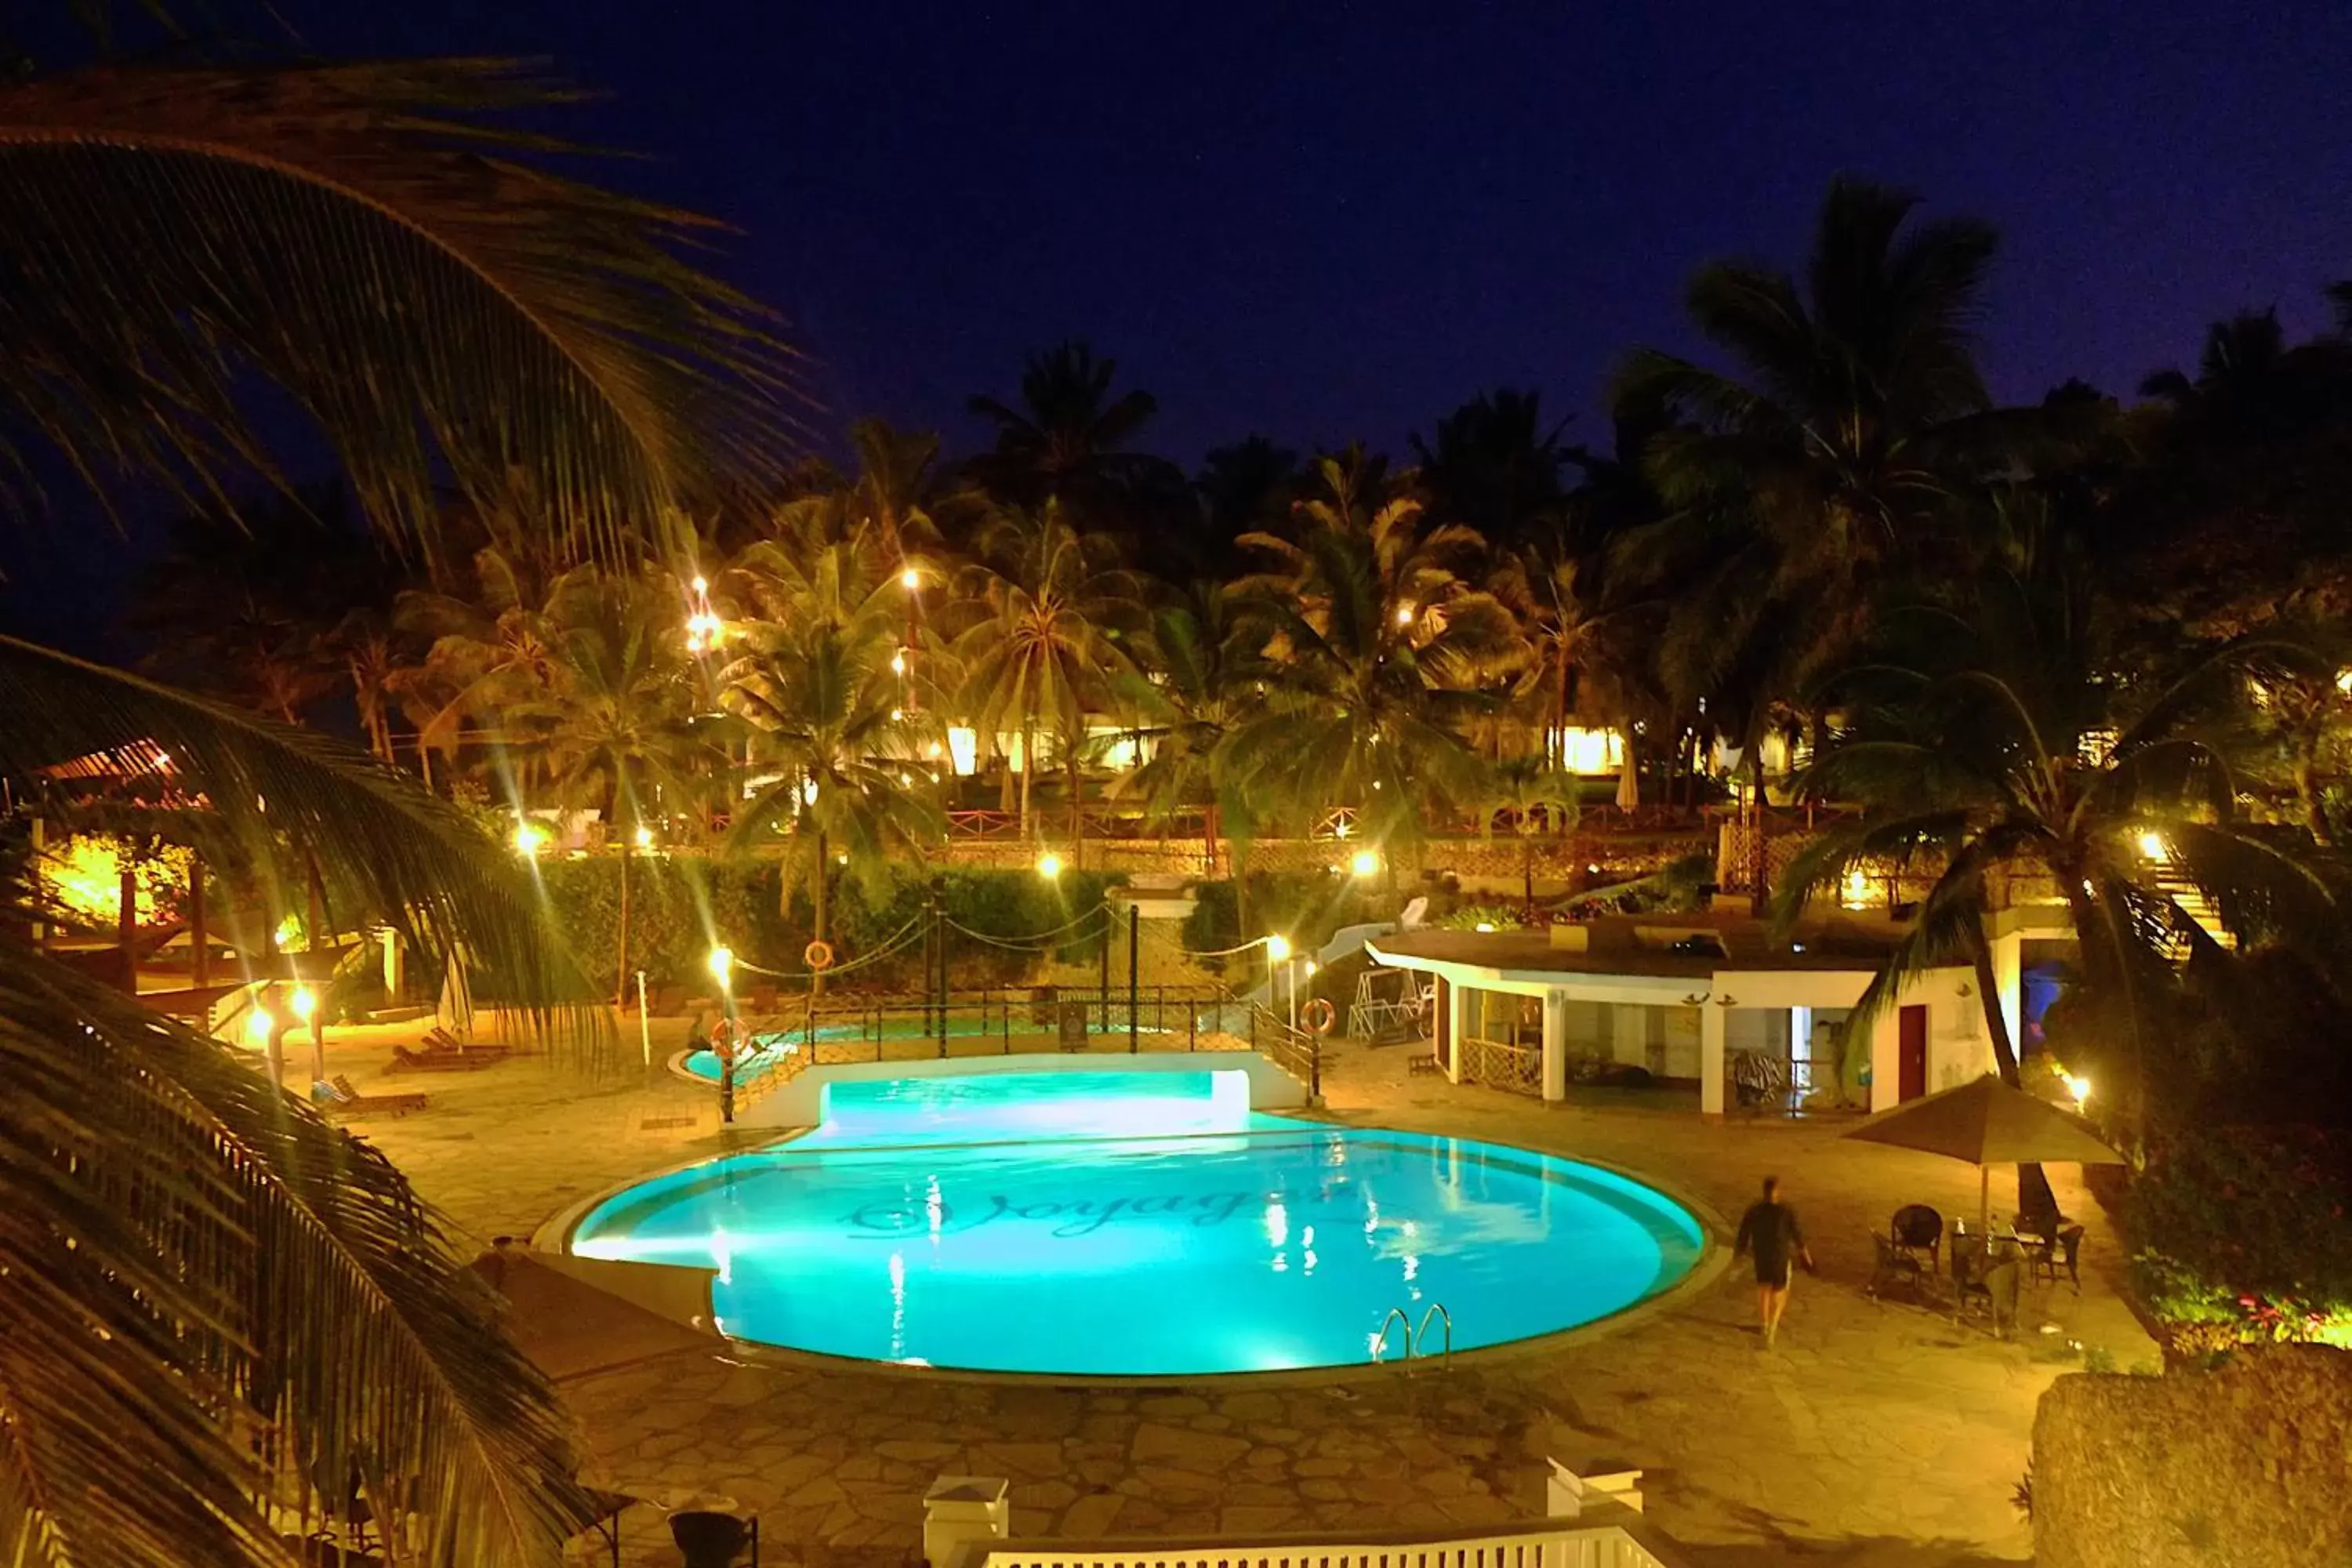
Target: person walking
{"points": [[1769, 1229]]}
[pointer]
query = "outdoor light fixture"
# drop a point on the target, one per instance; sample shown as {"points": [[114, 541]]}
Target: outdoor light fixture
{"points": [[898, 664], [2077, 1086], [259, 1026], [303, 1002], [1404, 614], [1049, 865], [2151, 847], [1485, 928], [910, 578], [645, 837], [1277, 948], [701, 583], [722, 967], [1366, 863], [896, 714], [530, 839]]}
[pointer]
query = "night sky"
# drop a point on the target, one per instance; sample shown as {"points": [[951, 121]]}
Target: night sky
{"points": [[1328, 223]]}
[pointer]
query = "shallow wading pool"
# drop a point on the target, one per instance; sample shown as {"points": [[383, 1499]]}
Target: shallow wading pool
{"points": [[1137, 1224]]}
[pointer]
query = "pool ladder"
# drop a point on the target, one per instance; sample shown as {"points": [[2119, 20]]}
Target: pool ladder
{"points": [[1417, 1339]]}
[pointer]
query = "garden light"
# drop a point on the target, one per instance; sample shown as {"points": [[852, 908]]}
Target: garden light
{"points": [[303, 1002], [645, 837], [2151, 847], [1487, 928], [2077, 1086], [530, 839], [722, 967], [898, 664], [259, 1026], [1404, 615], [701, 583], [1366, 863], [1049, 865], [1277, 948], [910, 578]]}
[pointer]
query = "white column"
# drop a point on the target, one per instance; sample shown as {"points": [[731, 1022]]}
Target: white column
{"points": [[1712, 1020], [1454, 1009], [1887, 1058], [1801, 1037], [1554, 1045]]}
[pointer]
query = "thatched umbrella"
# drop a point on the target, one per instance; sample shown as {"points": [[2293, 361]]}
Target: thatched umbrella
{"points": [[1988, 1123]]}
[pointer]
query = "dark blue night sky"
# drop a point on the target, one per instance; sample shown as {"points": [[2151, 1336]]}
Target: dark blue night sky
{"points": [[1328, 221]]}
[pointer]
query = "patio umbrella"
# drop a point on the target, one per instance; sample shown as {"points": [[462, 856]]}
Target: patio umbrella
{"points": [[1629, 786], [1987, 1123]]}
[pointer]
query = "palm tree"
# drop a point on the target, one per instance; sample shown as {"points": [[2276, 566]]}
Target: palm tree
{"points": [[1379, 653], [826, 707], [213, 1298], [615, 729], [487, 653], [1979, 750], [1493, 464], [1204, 672], [1544, 584], [1068, 430], [1538, 797], [1791, 492], [1046, 605]]}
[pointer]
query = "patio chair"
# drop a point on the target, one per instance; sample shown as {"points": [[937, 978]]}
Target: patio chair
{"points": [[1988, 1280], [2060, 1251], [1893, 1266], [1917, 1228], [708, 1540]]}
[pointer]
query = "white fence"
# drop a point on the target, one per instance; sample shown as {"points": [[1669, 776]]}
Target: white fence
{"points": [[1578, 1545]]}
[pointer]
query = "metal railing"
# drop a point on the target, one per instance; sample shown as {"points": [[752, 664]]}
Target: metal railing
{"points": [[1155, 1019], [1531, 1545], [1297, 1051]]}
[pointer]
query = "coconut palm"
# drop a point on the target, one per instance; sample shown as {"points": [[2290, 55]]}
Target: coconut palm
{"points": [[213, 1296], [615, 729], [1493, 464], [826, 708], [1045, 607], [1380, 653], [1794, 487], [489, 652], [1981, 749], [1538, 797], [1204, 672], [1545, 585], [1068, 438]]}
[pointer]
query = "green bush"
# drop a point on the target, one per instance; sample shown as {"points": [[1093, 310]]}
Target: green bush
{"points": [[1470, 917], [2245, 1233], [1307, 907]]}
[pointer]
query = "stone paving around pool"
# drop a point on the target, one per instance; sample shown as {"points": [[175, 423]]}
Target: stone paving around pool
{"points": [[1874, 1434]]}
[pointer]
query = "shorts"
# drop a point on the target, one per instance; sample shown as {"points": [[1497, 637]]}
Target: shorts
{"points": [[1772, 1276]]}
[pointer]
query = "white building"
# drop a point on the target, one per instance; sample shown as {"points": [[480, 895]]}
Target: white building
{"points": [[1709, 999]]}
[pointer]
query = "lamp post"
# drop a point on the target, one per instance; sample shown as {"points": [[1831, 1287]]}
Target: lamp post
{"points": [[722, 968], [1277, 951]]}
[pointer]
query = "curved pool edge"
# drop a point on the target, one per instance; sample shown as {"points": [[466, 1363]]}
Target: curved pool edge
{"points": [[555, 1235]]}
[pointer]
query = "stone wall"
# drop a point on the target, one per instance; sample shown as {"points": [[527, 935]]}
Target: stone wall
{"points": [[2248, 1465]]}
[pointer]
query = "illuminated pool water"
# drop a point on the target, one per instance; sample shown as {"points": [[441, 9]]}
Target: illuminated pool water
{"points": [[1136, 1223]]}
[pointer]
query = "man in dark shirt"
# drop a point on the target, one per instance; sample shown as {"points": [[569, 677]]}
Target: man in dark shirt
{"points": [[1769, 1229]]}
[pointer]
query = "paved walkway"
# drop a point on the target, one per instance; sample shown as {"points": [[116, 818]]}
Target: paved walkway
{"points": [[1877, 1435]]}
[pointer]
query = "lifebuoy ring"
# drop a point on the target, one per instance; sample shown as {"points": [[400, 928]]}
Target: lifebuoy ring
{"points": [[817, 955], [1320, 1015]]}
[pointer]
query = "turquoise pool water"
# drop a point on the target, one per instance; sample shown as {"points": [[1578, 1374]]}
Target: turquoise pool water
{"points": [[1136, 1223], [767, 1048]]}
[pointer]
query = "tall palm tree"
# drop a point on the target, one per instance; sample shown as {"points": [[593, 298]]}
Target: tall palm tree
{"points": [[1547, 586], [615, 730], [486, 653], [1046, 605], [1380, 653], [1979, 749], [1495, 465], [826, 708], [1203, 672], [1796, 486], [1538, 797], [213, 1296]]}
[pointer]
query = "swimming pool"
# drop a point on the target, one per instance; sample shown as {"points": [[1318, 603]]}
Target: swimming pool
{"points": [[769, 1046], [1135, 1224]]}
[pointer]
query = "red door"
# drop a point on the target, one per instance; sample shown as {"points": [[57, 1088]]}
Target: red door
{"points": [[1911, 1053]]}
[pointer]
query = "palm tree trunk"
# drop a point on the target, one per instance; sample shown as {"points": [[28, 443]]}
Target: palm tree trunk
{"points": [[2306, 792], [1028, 771], [1528, 868], [817, 899], [2033, 1194], [621, 972], [1758, 893], [1208, 838], [1077, 813]]}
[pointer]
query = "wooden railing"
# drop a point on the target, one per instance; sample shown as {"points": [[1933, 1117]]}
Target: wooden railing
{"points": [[1578, 1545]]}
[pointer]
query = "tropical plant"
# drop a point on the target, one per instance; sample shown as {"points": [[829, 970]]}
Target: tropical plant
{"points": [[1046, 605], [1544, 584], [1068, 439], [1792, 493], [1494, 465], [1538, 797], [488, 652], [1203, 670], [831, 732], [1379, 653], [1987, 746], [212, 1297]]}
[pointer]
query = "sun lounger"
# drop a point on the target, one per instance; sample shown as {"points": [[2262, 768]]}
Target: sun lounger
{"points": [[446, 1059], [342, 1100]]}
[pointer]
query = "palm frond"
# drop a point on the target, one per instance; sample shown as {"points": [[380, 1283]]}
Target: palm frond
{"points": [[370, 239]]}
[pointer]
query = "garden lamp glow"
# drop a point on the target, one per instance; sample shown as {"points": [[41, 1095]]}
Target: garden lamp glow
{"points": [[722, 967]]}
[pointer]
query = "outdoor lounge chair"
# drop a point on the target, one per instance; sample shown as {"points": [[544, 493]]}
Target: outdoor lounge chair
{"points": [[1991, 1280], [1892, 1268], [446, 1059], [342, 1100], [2060, 1251]]}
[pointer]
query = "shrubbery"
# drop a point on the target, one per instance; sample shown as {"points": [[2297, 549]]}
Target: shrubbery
{"points": [[1307, 907], [2245, 1233]]}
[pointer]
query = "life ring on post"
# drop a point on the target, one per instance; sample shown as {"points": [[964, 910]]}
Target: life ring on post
{"points": [[1318, 1015], [818, 955]]}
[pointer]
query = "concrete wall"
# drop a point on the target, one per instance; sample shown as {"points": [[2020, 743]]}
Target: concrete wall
{"points": [[2248, 1467], [801, 1101]]}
